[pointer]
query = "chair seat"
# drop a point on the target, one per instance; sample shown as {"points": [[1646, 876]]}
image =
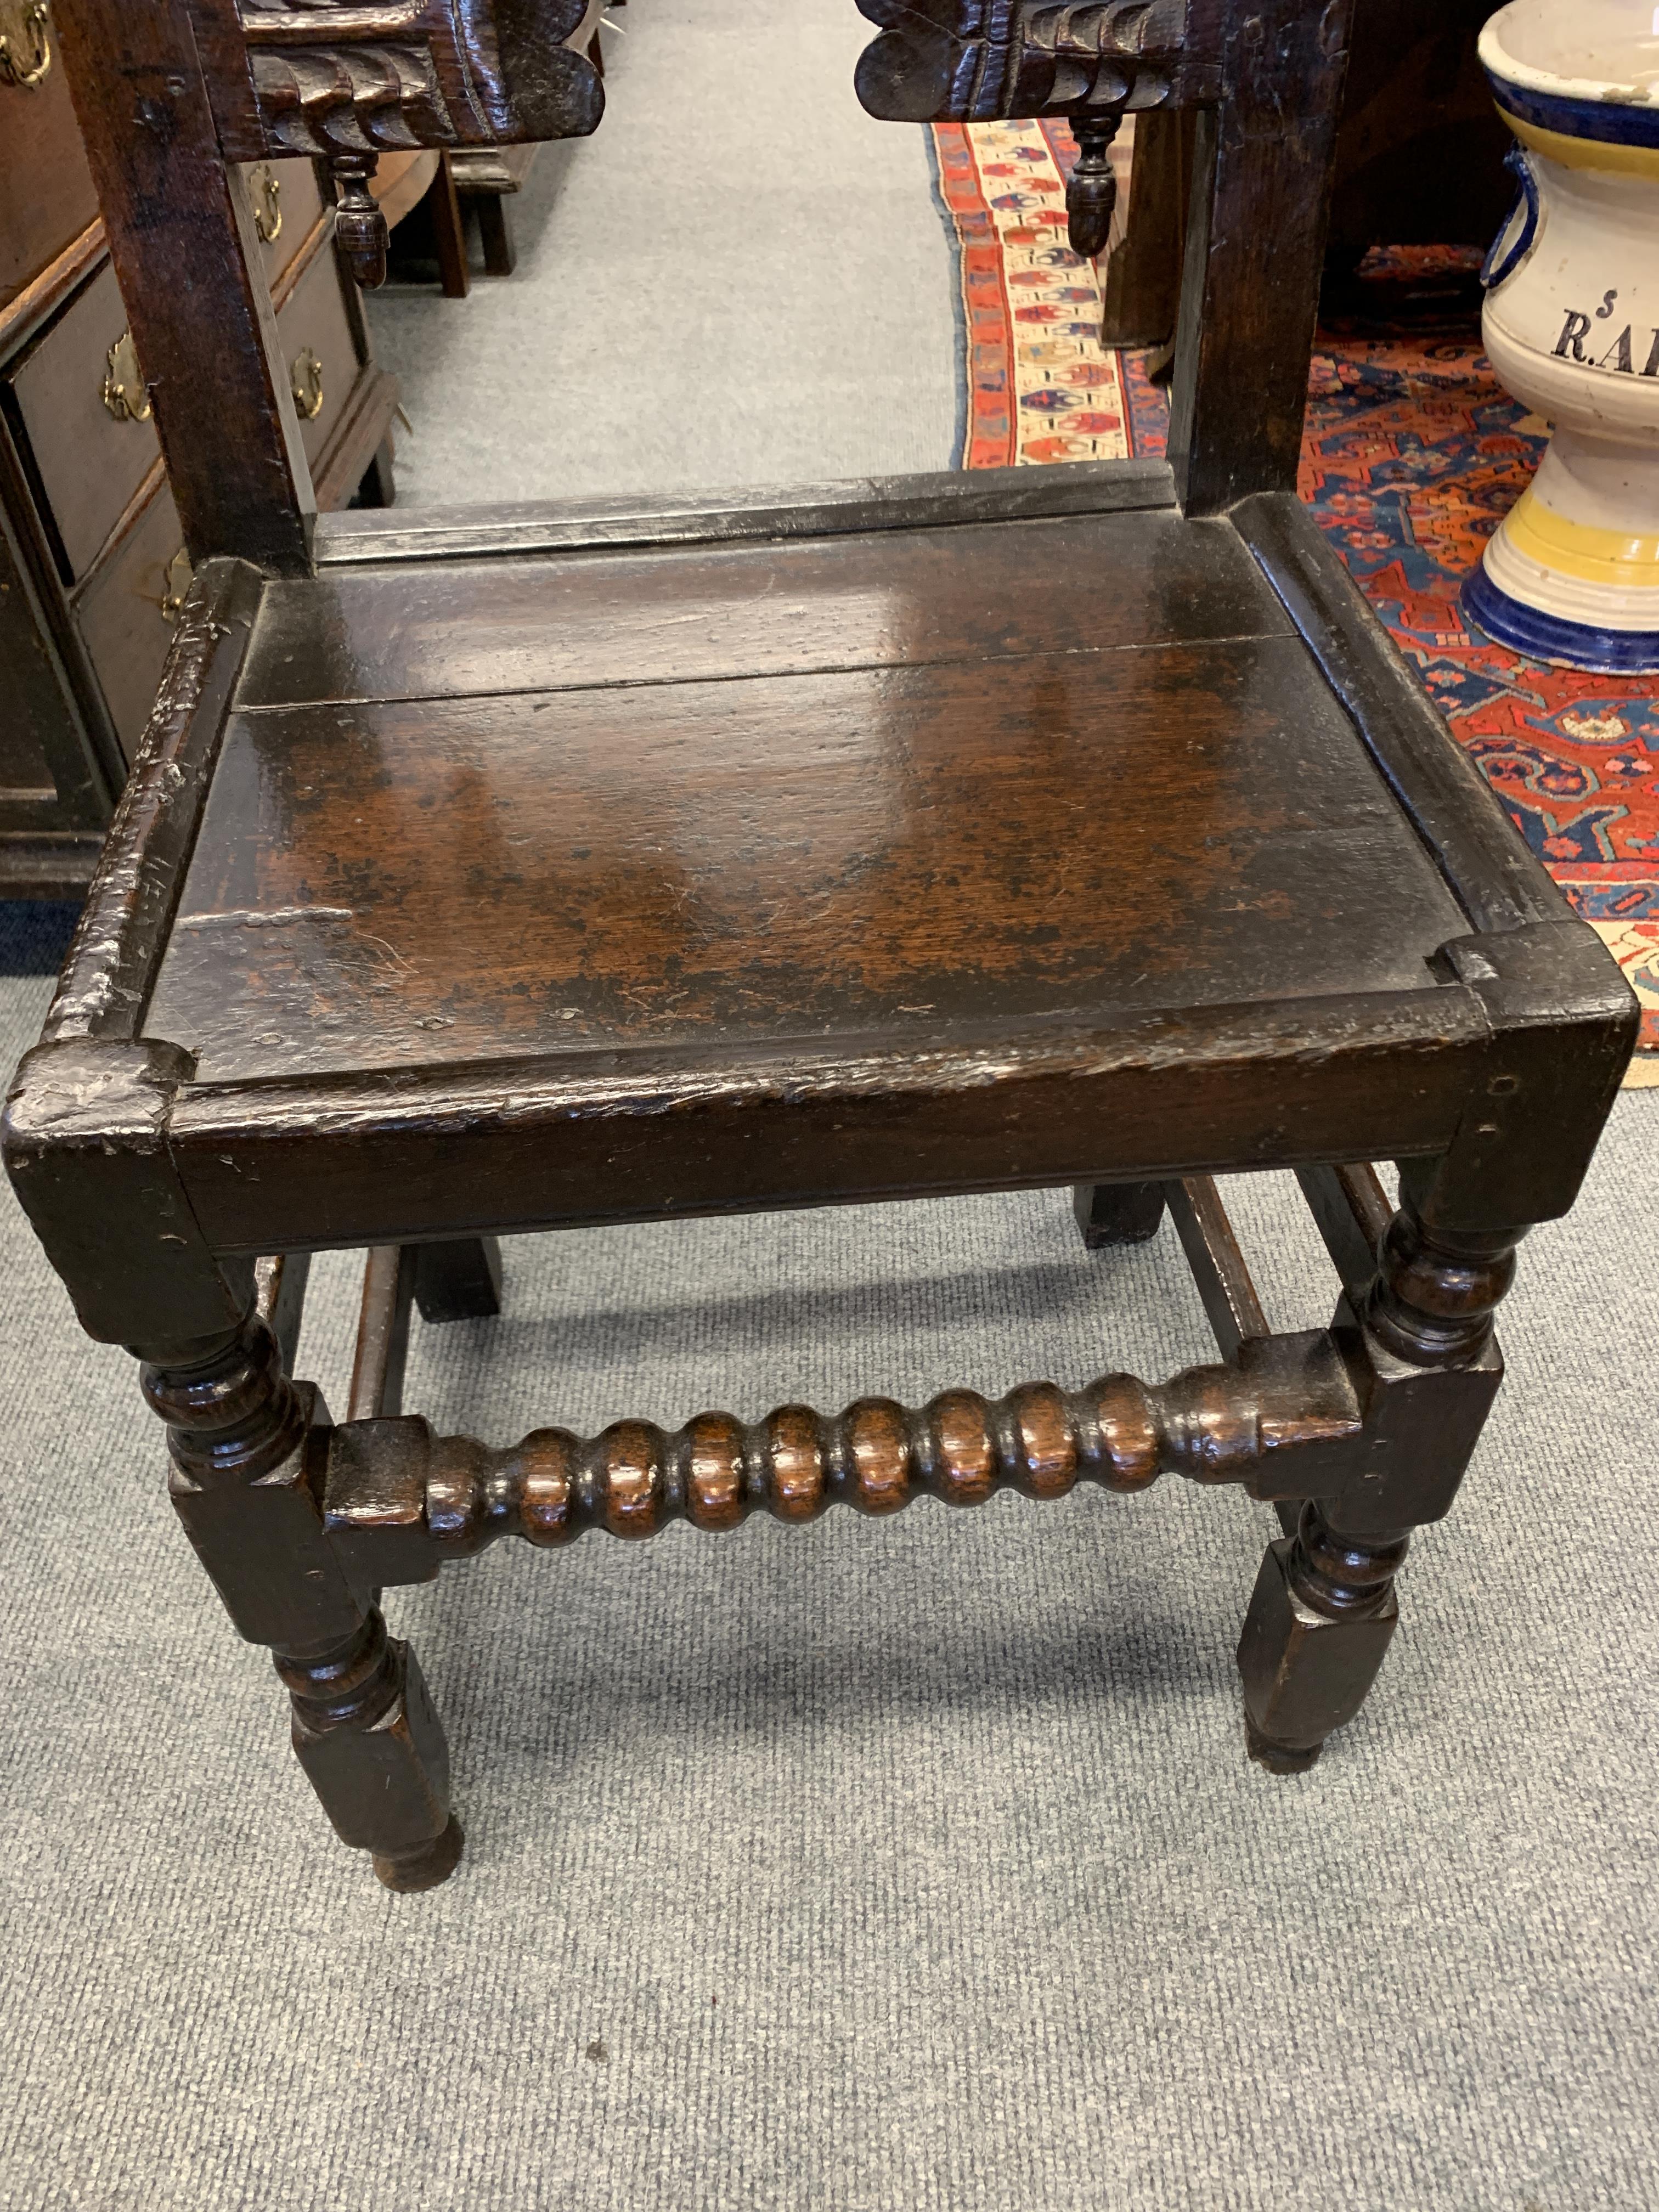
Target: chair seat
{"points": [[958, 795], [829, 789]]}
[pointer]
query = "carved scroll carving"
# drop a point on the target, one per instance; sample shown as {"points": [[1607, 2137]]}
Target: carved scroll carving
{"points": [[360, 76], [332, 99], [971, 60]]}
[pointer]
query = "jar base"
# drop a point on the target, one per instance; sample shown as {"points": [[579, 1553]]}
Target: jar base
{"points": [[1553, 638]]}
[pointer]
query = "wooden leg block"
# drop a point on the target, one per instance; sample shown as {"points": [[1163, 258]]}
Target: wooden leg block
{"points": [[373, 1750], [495, 230], [1117, 1212], [1304, 1673], [459, 1281]]}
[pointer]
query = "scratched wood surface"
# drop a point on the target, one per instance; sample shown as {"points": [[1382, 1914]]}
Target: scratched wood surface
{"points": [[802, 792]]}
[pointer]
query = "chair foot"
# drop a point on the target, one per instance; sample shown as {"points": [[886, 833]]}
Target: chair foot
{"points": [[1109, 1213], [460, 1280], [1277, 1757], [1319, 1626], [426, 1866]]}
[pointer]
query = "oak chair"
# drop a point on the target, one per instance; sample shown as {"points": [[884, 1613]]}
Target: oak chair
{"points": [[515, 868]]}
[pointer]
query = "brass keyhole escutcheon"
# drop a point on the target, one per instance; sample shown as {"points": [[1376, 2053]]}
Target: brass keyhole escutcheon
{"points": [[267, 203], [175, 582], [25, 43], [305, 381], [124, 391]]}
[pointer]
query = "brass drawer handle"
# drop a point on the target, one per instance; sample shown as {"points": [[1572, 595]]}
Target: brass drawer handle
{"points": [[305, 381], [175, 582], [25, 42], [267, 190], [124, 393]]}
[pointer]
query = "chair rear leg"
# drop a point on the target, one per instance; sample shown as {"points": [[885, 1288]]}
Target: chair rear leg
{"points": [[460, 1281], [1117, 1212]]}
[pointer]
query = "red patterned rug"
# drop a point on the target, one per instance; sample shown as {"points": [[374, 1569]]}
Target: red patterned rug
{"points": [[1412, 456]]}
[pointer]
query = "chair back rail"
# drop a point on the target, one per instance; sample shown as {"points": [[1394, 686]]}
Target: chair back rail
{"points": [[173, 94]]}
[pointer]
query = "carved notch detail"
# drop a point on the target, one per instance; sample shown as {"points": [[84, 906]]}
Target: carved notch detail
{"points": [[327, 77], [969, 61], [360, 99]]}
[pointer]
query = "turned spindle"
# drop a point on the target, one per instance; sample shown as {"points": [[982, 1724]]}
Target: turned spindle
{"points": [[1432, 1301], [232, 1413], [360, 227], [1091, 193]]}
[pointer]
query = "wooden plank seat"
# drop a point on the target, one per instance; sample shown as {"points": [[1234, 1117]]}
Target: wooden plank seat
{"points": [[517, 868]]}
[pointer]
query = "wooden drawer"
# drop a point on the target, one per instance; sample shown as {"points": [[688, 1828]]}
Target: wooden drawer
{"points": [[121, 618], [90, 462], [314, 327], [287, 202], [46, 198]]}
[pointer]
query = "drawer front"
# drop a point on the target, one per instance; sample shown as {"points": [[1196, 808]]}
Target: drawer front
{"points": [[92, 458], [46, 198], [126, 627], [319, 349], [286, 205]]}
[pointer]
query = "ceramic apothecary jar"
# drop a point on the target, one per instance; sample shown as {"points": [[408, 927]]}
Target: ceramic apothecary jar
{"points": [[1572, 326]]}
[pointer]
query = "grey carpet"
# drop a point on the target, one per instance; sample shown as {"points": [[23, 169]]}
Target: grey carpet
{"points": [[915, 1864], [739, 279]]}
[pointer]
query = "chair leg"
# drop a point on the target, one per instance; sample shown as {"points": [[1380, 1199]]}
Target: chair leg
{"points": [[448, 231], [241, 1434], [1317, 1631], [1324, 1612], [459, 1281], [1117, 1212], [496, 230]]}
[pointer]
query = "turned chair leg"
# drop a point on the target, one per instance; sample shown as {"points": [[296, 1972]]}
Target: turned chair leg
{"points": [[1324, 1612], [1117, 1212], [241, 1434], [1318, 1629]]}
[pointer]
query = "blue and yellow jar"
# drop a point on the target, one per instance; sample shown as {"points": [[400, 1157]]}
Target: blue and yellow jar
{"points": [[1571, 325]]}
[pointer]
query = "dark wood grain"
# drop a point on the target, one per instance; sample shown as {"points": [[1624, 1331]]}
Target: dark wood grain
{"points": [[1352, 1213], [1220, 1268], [772, 511], [119, 946], [1457, 816], [973, 61], [803, 857], [382, 1349], [393, 74], [171, 205], [601, 1137], [1255, 249], [1078, 586], [280, 1283]]}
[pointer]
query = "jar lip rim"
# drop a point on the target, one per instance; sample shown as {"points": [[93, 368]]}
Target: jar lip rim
{"points": [[1608, 92]]}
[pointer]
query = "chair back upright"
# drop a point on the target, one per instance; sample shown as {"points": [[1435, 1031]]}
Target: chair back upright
{"points": [[173, 94]]}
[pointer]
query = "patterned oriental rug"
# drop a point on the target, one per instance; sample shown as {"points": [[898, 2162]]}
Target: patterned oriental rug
{"points": [[1412, 456]]}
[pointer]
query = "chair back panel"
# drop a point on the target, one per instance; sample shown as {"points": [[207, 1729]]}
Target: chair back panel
{"points": [[187, 257], [172, 95]]}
